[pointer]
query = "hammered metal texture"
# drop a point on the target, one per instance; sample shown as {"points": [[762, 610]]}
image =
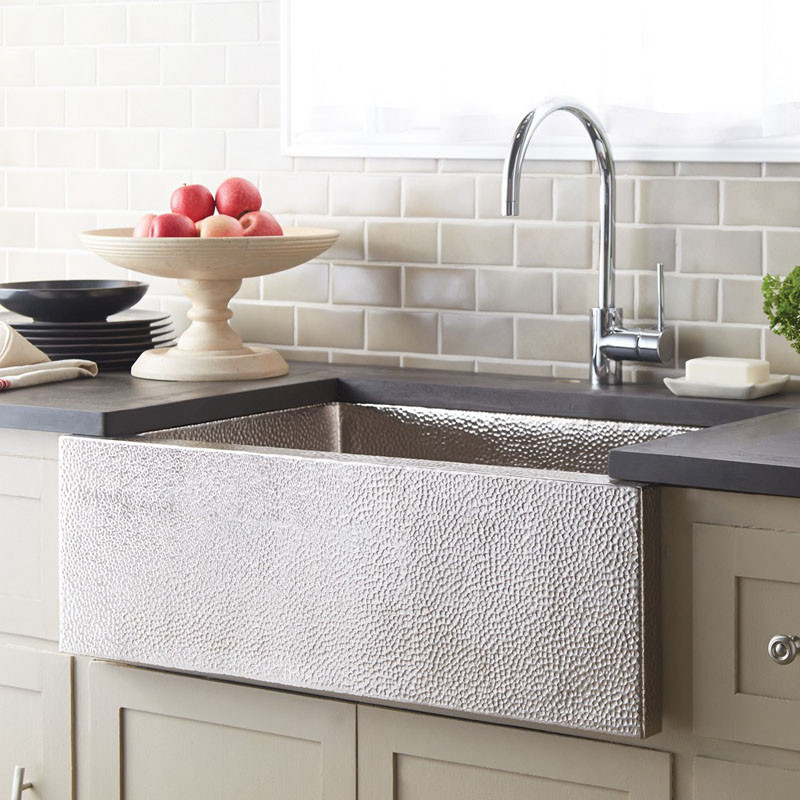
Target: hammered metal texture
{"points": [[471, 437], [516, 594]]}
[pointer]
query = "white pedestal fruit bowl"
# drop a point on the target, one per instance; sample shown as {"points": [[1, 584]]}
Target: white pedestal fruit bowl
{"points": [[209, 272]]}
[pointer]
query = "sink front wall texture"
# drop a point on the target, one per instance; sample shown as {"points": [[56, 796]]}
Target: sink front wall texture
{"points": [[519, 594]]}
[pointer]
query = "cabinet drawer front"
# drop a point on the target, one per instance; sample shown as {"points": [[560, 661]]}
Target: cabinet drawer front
{"points": [[715, 779], [158, 736], [28, 546], [746, 590], [409, 756], [36, 720]]}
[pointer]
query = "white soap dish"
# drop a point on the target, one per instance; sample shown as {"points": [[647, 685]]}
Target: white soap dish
{"points": [[745, 391]]}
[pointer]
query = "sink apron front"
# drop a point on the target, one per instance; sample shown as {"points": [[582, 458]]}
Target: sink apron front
{"points": [[521, 595]]}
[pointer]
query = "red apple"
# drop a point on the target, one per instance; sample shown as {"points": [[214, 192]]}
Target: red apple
{"points": [[193, 201], [142, 229], [220, 225], [237, 196], [260, 223], [171, 225]]}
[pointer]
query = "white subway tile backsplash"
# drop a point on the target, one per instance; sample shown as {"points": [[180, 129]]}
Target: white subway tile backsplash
{"points": [[782, 252], [643, 247], [17, 66], [16, 147], [35, 189], [438, 196], [269, 107], [17, 228], [306, 283], [294, 193], [269, 21], [365, 195], [96, 107], [685, 298], [127, 148], [160, 107], [477, 335], [355, 284], [688, 201], [193, 149], [66, 66], [729, 341], [402, 241], [523, 290], [726, 251], [151, 23], [227, 107], [771, 203], [427, 287], [34, 107], [97, 189], [471, 243], [742, 301], [66, 148], [95, 24], [31, 25], [350, 244], [257, 150], [128, 66], [225, 22], [150, 190], [402, 331], [329, 327], [256, 64], [567, 246], [59, 230], [193, 65], [45, 266]]}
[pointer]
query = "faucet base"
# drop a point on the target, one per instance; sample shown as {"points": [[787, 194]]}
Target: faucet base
{"points": [[604, 370]]}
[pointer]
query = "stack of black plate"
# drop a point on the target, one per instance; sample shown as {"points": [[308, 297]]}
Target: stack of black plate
{"points": [[114, 343]]}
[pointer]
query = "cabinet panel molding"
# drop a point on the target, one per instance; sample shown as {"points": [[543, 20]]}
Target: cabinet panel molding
{"points": [[409, 756], [715, 779], [159, 736]]}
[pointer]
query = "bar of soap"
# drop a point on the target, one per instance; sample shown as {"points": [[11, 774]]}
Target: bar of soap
{"points": [[727, 371]]}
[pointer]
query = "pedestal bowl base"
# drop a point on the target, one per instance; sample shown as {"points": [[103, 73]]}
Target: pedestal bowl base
{"points": [[252, 362]]}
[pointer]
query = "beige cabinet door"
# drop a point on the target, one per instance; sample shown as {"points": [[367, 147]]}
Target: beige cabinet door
{"points": [[746, 590], [409, 756], [161, 736], [29, 533], [36, 721]]}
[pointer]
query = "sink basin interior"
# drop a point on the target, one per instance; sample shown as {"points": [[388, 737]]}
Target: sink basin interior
{"points": [[432, 434]]}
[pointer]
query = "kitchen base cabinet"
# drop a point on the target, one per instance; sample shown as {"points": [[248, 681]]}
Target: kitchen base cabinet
{"points": [[410, 756], [29, 533], [159, 736], [36, 721]]}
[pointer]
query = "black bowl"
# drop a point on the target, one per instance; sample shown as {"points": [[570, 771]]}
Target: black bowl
{"points": [[70, 301]]}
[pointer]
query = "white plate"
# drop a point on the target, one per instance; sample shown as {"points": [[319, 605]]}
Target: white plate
{"points": [[747, 391]]}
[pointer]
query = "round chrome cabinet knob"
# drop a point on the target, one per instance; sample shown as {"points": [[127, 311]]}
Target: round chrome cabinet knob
{"points": [[783, 649]]}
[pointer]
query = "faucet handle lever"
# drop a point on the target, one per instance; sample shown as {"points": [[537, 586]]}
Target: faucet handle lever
{"points": [[660, 295]]}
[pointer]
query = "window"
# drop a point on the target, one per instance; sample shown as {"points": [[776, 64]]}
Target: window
{"points": [[684, 79]]}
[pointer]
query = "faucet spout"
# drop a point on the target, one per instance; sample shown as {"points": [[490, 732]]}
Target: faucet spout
{"points": [[512, 174], [611, 342]]}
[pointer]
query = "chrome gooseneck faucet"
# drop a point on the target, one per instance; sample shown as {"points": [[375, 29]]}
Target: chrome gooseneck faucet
{"points": [[611, 342]]}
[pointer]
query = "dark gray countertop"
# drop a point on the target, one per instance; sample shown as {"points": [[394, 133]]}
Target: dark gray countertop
{"points": [[753, 446]]}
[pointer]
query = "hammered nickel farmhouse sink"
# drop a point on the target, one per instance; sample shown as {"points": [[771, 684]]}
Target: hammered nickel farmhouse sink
{"points": [[471, 563]]}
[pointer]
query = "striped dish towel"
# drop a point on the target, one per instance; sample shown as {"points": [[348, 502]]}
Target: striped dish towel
{"points": [[22, 364]]}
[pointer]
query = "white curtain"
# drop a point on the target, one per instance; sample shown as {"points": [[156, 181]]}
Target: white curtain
{"points": [[440, 75]]}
